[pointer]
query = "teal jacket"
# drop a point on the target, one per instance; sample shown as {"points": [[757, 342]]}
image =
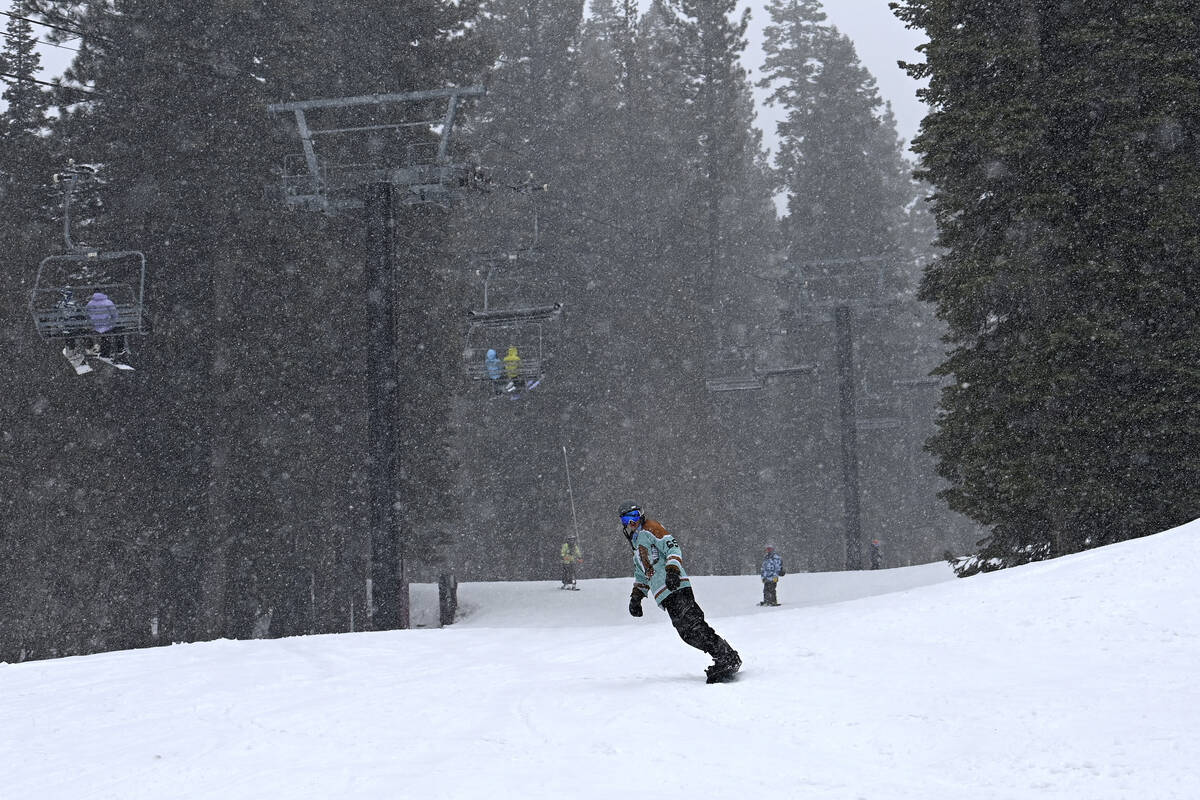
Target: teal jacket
{"points": [[653, 550]]}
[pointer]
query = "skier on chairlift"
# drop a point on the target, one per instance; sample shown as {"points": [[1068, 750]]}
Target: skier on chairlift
{"points": [[102, 312], [495, 370], [512, 369], [73, 352]]}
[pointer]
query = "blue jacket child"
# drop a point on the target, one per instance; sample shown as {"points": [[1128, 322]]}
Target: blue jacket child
{"points": [[772, 571], [772, 566], [492, 363]]}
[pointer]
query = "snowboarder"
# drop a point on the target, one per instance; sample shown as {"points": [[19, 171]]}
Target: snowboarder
{"points": [[571, 555], [658, 570], [772, 571]]}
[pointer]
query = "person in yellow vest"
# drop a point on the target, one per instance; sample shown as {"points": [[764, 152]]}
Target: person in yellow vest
{"points": [[512, 370], [571, 556]]}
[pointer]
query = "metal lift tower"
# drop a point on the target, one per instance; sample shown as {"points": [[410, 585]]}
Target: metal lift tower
{"points": [[371, 152]]}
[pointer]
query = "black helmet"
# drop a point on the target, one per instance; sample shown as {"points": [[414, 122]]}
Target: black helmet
{"points": [[630, 510]]}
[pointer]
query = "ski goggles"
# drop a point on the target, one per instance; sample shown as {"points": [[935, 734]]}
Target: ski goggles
{"points": [[628, 518]]}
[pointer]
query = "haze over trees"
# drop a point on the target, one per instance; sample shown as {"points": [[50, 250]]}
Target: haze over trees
{"points": [[222, 489]]}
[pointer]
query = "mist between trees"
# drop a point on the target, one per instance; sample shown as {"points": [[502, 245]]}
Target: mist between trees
{"points": [[222, 488]]}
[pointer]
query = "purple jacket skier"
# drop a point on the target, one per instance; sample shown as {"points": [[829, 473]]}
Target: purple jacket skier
{"points": [[102, 312]]}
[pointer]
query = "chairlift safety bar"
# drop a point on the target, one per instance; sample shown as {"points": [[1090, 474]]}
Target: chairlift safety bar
{"points": [[504, 316]]}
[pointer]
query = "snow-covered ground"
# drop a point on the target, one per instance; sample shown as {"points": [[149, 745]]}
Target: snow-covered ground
{"points": [[1074, 678]]}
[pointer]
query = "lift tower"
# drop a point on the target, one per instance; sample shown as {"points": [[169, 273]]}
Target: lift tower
{"points": [[366, 154]]}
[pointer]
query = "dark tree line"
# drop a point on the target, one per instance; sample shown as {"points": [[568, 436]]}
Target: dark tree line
{"points": [[659, 229], [1063, 146], [221, 489]]}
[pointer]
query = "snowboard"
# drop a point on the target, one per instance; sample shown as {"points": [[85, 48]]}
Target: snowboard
{"points": [[723, 674], [728, 675], [571, 588]]}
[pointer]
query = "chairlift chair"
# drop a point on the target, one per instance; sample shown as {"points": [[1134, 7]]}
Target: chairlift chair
{"points": [[65, 282], [500, 329], [878, 413], [61, 291]]}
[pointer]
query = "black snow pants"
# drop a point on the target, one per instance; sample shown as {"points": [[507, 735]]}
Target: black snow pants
{"points": [[688, 619], [769, 596]]}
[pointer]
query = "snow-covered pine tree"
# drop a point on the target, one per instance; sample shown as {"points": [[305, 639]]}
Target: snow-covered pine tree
{"points": [[211, 496], [1060, 153]]}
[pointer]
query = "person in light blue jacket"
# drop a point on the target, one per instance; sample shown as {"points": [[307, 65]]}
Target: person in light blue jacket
{"points": [[495, 370], [772, 571], [658, 571]]}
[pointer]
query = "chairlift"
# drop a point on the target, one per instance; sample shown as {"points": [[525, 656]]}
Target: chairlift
{"points": [[514, 330], [65, 283], [735, 380], [504, 330], [879, 412]]}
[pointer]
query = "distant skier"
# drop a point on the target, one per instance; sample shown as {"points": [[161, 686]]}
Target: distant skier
{"points": [[658, 569], [571, 556], [772, 571]]}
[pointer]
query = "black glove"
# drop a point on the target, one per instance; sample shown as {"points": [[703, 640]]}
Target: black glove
{"points": [[635, 603], [781, 572], [672, 578]]}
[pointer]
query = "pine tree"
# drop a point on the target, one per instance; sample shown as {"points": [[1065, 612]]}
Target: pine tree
{"points": [[838, 161], [201, 478], [850, 196], [712, 44], [27, 236], [24, 148], [1058, 153], [20, 64]]}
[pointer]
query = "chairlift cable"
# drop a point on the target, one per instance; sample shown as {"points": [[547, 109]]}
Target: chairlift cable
{"points": [[52, 85], [76, 33], [580, 214], [79, 34], [47, 42]]}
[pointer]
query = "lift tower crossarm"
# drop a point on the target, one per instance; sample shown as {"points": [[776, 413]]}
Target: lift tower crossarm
{"points": [[326, 186], [379, 99]]}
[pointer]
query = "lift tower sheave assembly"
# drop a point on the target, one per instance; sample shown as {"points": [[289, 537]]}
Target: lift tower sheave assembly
{"points": [[367, 154], [324, 178]]}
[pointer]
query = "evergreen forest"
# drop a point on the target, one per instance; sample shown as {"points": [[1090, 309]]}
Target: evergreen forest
{"points": [[982, 349]]}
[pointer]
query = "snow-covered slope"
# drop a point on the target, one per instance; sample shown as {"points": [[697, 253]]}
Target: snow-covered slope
{"points": [[1067, 679]]}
